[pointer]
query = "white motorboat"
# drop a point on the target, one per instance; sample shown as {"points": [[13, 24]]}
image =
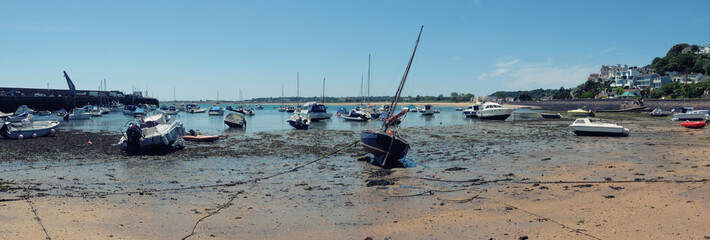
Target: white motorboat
{"points": [[591, 127], [129, 109], [299, 121], [24, 108], [426, 110], [658, 112], [78, 114], [216, 110], [472, 110], [316, 111], [139, 112], [28, 129], [21, 113], [491, 110], [688, 113], [18, 117], [356, 114], [95, 111], [149, 132], [172, 110], [580, 112]]}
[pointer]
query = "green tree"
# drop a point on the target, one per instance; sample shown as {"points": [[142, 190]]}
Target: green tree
{"points": [[468, 96], [694, 48], [645, 92], [455, 96], [587, 95], [562, 94], [660, 65], [524, 96], [677, 49], [618, 90]]}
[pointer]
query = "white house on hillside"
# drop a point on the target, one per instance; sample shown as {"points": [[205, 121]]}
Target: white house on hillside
{"points": [[624, 77], [704, 49], [659, 81], [689, 78]]}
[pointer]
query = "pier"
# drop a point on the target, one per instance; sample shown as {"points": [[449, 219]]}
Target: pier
{"points": [[55, 99]]}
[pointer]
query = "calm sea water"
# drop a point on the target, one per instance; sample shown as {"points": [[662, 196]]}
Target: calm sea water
{"points": [[269, 119]]}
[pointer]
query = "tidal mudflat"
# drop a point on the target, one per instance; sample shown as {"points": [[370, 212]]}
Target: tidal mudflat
{"points": [[479, 180]]}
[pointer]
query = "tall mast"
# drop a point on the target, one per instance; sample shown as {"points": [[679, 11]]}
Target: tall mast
{"points": [[297, 89], [361, 95], [322, 98], [368, 80], [282, 94], [404, 79]]}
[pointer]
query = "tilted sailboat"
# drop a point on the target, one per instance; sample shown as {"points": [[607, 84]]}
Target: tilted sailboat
{"points": [[387, 147]]}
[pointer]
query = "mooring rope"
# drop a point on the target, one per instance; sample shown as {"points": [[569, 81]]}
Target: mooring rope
{"points": [[231, 198], [34, 210]]}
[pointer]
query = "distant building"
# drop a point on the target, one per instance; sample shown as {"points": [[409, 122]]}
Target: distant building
{"points": [[704, 49], [688, 78], [594, 77], [643, 81], [658, 82], [624, 76], [604, 95]]}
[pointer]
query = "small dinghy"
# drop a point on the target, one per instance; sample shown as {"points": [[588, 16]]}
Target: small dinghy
{"points": [[201, 138], [689, 124], [550, 115], [234, 120]]}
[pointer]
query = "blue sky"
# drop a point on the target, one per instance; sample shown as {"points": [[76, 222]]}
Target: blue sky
{"points": [[201, 48]]}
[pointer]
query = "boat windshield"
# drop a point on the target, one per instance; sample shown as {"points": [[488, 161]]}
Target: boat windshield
{"points": [[318, 108]]}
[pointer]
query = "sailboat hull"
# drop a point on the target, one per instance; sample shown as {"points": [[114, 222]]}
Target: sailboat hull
{"points": [[386, 148]]}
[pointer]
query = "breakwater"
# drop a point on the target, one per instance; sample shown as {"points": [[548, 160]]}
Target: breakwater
{"points": [[616, 104], [41, 103]]}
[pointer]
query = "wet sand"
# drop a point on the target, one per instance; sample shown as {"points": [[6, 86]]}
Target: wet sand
{"points": [[482, 180]]}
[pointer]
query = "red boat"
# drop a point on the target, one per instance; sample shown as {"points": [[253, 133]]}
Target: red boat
{"points": [[688, 124], [200, 138]]}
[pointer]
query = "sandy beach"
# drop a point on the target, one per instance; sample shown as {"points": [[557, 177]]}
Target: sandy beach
{"points": [[480, 180]]}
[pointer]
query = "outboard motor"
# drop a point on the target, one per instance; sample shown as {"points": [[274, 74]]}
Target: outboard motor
{"points": [[133, 139], [4, 129]]}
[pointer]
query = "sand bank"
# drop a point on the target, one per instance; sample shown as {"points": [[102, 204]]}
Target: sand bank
{"points": [[485, 179]]}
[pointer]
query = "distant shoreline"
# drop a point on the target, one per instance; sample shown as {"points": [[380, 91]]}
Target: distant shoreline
{"points": [[439, 104], [593, 104]]}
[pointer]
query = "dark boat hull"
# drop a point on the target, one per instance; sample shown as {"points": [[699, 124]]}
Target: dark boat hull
{"points": [[608, 134], [494, 117], [387, 149], [235, 125], [300, 125], [550, 115]]}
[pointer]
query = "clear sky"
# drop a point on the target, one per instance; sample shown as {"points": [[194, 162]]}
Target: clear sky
{"points": [[201, 48]]}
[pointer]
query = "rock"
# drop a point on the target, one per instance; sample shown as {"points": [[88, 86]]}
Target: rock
{"points": [[379, 183], [455, 169]]}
